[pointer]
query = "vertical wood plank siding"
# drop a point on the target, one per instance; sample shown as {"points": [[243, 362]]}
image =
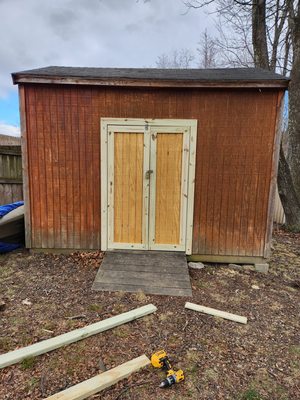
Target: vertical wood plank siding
{"points": [[233, 166]]}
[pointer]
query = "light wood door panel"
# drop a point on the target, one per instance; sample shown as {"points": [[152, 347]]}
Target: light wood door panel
{"points": [[128, 156], [168, 188], [128, 187], [149, 179]]}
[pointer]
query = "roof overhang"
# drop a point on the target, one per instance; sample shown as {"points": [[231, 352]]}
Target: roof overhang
{"points": [[19, 78], [154, 77]]}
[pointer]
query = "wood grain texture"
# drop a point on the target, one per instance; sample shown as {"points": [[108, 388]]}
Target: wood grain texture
{"points": [[153, 272], [101, 381], [10, 192], [128, 187], [55, 342], [11, 188], [216, 313], [25, 167], [183, 84], [273, 195], [168, 187], [233, 161]]}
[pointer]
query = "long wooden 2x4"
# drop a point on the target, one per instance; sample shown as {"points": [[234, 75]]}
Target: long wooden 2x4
{"points": [[102, 381], [216, 313], [36, 349]]}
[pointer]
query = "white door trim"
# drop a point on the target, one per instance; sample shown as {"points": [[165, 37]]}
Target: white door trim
{"points": [[106, 153]]}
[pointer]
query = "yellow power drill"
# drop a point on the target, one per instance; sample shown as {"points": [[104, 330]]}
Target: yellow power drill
{"points": [[161, 360]]}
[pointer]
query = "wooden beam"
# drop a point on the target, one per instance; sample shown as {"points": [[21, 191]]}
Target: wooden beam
{"points": [[216, 313], [102, 381], [11, 180], [25, 165], [223, 259], [11, 150], [273, 184], [69, 80], [36, 349]]}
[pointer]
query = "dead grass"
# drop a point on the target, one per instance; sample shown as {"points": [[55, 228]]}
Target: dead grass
{"points": [[221, 359]]}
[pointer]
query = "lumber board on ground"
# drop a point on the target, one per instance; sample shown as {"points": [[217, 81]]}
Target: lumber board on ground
{"points": [[44, 346], [216, 313], [102, 381]]}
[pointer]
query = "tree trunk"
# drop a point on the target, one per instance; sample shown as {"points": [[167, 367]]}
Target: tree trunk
{"points": [[290, 200], [288, 172], [294, 109], [289, 169], [259, 34]]}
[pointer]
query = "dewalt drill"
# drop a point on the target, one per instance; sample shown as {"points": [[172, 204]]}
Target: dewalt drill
{"points": [[161, 360]]}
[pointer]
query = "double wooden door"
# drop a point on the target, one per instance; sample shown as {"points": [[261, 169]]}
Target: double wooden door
{"points": [[148, 184]]}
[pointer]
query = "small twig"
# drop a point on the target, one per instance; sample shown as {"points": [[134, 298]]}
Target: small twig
{"points": [[47, 330], [131, 386], [101, 365], [42, 385], [272, 373], [185, 325], [10, 376], [80, 316], [198, 389], [279, 369]]}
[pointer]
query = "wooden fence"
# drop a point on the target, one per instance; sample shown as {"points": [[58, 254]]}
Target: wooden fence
{"points": [[11, 188]]}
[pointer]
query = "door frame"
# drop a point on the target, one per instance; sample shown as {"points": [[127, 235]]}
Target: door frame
{"points": [[146, 125]]}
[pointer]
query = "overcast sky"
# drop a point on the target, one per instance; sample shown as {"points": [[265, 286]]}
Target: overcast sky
{"points": [[106, 33]]}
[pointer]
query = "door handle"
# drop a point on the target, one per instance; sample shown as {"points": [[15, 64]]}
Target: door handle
{"points": [[148, 173]]}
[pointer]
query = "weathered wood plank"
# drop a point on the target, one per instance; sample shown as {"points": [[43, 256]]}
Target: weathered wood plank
{"points": [[273, 184], [164, 291], [152, 83], [152, 272], [171, 268], [102, 381], [178, 280], [146, 258], [25, 165], [226, 259]]}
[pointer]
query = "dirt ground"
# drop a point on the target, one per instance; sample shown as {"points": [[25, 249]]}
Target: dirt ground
{"points": [[221, 359]]}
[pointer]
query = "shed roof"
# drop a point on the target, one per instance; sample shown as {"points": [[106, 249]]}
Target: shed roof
{"points": [[219, 77]]}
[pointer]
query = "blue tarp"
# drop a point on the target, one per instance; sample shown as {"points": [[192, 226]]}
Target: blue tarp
{"points": [[9, 207], [6, 247]]}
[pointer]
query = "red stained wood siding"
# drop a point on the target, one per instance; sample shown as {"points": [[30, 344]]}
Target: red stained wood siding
{"points": [[233, 169]]}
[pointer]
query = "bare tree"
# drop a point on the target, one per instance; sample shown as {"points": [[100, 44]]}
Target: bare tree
{"points": [[274, 44], [208, 51], [182, 58]]}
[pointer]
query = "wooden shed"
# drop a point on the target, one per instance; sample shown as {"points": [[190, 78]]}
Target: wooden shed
{"points": [[181, 160]]}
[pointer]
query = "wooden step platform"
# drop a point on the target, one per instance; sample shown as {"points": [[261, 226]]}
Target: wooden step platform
{"points": [[153, 272]]}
